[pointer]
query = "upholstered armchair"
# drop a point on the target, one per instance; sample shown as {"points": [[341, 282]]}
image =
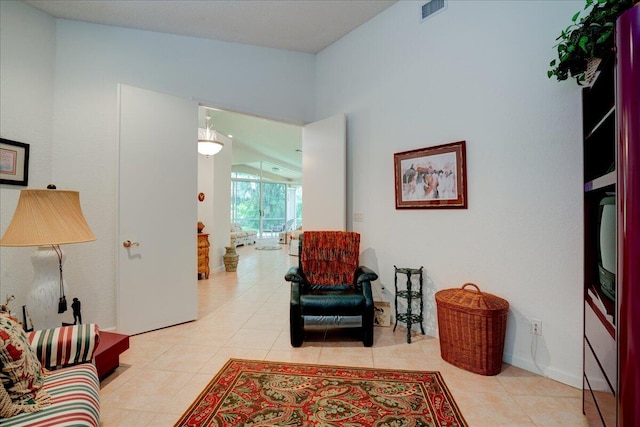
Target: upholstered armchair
{"points": [[329, 282]]}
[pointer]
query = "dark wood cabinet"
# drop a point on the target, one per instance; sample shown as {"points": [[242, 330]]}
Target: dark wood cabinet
{"points": [[203, 255], [611, 150]]}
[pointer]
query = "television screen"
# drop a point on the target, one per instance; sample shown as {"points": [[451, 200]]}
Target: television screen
{"points": [[607, 243]]}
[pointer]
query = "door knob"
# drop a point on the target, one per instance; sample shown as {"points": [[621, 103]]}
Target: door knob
{"points": [[129, 243]]}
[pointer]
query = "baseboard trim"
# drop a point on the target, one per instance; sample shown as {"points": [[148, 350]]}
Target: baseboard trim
{"points": [[546, 371]]}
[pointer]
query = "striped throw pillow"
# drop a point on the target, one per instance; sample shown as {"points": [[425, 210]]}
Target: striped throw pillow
{"points": [[66, 345]]}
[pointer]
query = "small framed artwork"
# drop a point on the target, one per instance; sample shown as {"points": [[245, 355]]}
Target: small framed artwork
{"points": [[432, 177], [14, 162]]}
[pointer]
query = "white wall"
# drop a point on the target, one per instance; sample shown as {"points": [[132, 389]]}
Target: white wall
{"points": [[205, 207], [475, 72], [90, 60], [222, 206], [206, 186], [27, 48], [214, 179]]}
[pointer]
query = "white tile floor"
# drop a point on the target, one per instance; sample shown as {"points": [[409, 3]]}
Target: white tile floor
{"points": [[245, 315]]}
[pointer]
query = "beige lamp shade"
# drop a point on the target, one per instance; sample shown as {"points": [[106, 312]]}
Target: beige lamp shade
{"points": [[47, 217]]}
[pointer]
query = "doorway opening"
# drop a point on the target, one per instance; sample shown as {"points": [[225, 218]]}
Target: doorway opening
{"points": [[266, 170]]}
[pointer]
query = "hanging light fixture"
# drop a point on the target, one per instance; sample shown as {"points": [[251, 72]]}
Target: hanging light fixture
{"points": [[208, 142]]}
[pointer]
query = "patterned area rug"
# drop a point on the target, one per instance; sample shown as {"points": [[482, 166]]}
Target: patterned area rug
{"points": [[258, 393]]}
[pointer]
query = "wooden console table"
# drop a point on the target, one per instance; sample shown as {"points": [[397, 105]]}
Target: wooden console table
{"points": [[203, 255], [107, 355]]}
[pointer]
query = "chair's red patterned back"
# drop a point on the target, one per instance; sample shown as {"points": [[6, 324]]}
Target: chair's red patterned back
{"points": [[330, 257]]}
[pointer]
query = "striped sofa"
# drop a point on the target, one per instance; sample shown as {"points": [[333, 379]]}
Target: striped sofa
{"points": [[73, 381]]}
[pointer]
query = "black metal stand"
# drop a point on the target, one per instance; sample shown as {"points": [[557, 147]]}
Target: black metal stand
{"points": [[408, 317]]}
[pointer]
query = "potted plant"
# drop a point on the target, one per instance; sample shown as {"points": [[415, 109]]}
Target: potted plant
{"points": [[587, 38]]}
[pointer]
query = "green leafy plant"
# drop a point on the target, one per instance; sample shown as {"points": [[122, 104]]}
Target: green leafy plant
{"points": [[589, 36]]}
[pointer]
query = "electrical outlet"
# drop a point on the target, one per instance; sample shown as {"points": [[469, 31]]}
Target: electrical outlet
{"points": [[536, 327]]}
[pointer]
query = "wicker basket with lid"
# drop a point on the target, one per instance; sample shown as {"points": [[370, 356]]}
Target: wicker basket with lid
{"points": [[472, 326]]}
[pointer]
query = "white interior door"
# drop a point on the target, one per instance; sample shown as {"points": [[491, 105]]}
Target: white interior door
{"points": [[324, 174], [157, 211]]}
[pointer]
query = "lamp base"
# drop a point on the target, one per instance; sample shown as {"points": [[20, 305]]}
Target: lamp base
{"points": [[43, 298]]}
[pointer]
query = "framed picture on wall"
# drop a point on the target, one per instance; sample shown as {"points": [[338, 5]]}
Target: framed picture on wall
{"points": [[432, 177], [14, 162]]}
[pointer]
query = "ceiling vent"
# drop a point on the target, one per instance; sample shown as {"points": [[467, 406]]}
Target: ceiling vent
{"points": [[432, 7]]}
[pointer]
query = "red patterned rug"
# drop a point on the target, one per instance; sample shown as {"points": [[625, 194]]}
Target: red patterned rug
{"points": [[258, 393]]}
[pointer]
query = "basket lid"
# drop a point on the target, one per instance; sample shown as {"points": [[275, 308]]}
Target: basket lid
{"points": [[470, 299]]}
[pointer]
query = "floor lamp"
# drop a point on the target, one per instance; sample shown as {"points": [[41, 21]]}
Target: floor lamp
{"points": [[47, 219]]}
